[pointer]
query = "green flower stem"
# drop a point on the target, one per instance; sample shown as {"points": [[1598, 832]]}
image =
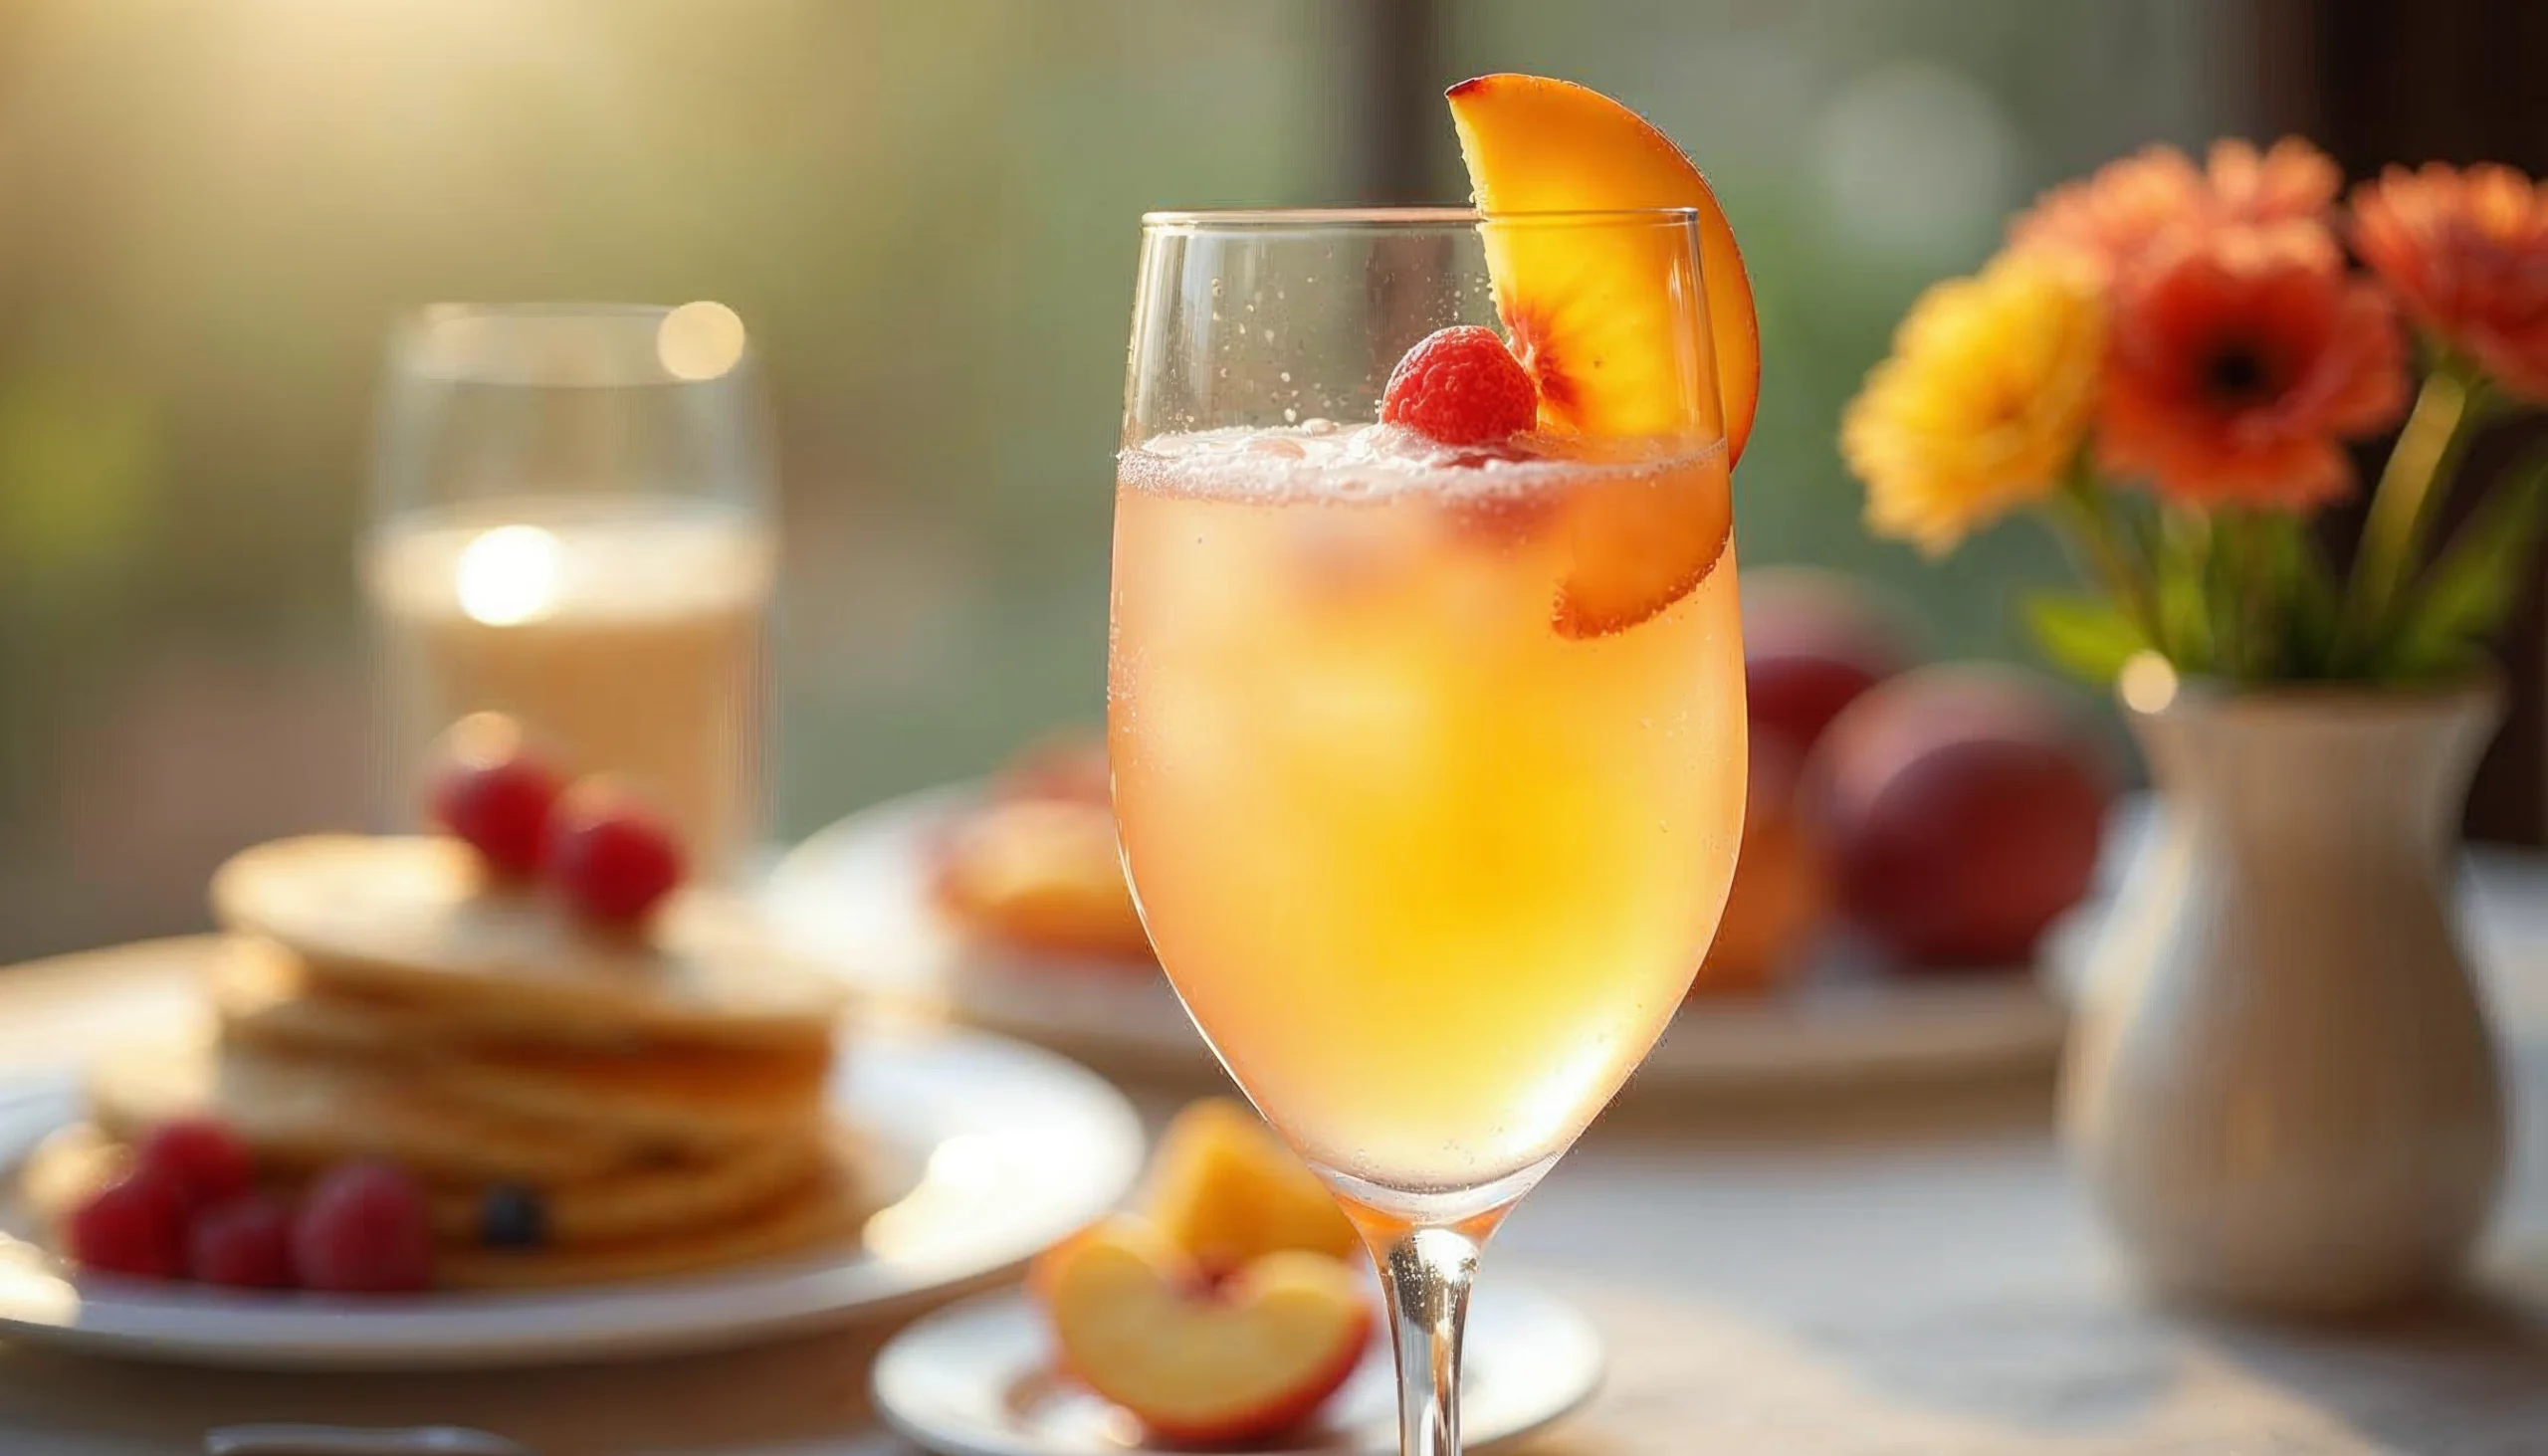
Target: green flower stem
{"points": [[2181, 554], [2255, 648], [2420, 467], [2088, 523]]}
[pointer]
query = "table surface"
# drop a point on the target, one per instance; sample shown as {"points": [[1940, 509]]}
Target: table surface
{"points": [[1841, 1276]]}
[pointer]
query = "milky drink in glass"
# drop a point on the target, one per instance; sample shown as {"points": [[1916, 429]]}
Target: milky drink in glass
{"points": [[570, 525], [627, 633]]}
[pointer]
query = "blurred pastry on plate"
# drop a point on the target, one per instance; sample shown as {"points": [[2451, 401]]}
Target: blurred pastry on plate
{"points": [[1068, 766], [1036, 866]]}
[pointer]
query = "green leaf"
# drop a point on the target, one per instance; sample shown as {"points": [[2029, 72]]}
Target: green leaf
{"points": [[2088, 637], [2462, 601]]}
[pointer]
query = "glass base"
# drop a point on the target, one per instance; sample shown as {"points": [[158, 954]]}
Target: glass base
{"points": [[1424, 1207]]}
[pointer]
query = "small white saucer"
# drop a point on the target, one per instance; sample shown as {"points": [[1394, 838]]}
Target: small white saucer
{"points": [[976, 1379]]}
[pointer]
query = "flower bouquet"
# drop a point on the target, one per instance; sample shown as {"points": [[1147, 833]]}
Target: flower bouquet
{"points": [[2169, 360]]}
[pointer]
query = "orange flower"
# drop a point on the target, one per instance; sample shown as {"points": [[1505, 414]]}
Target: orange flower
{"points": [[2128, 207], [2237, 360], [2467, 255]]}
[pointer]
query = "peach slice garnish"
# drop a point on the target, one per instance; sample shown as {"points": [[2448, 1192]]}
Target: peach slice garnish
{"points": [[1227, 1193], [1639, 544], [1581, 302], [1199, 1363], [1590, 311]]}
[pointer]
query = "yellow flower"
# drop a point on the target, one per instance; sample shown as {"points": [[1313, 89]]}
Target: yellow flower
{"points": [[1982, 403]]}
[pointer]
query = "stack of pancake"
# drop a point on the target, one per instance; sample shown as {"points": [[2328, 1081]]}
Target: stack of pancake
{"points": [[582, 1105]]}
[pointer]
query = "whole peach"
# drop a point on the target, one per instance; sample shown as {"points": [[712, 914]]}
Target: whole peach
{"points": [[1965, 806], [1812, 641]]}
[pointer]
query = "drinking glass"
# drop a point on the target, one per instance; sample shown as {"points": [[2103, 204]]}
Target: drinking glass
{"points": [[1430, 869], [570, 525]]}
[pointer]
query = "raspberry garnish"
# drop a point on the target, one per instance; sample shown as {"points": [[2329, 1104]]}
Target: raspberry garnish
{"points": [[1460, 386], [364, 1230], [493, 792], [135, 1225], [245, 1243], [613, 858], [204, 1160]]}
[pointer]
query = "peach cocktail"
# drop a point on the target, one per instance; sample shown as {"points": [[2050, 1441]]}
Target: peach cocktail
{"points": [[1425, 702]]}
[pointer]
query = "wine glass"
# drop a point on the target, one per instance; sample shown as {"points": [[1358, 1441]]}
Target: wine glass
{"points": [[1429, 858], [570, 525]]}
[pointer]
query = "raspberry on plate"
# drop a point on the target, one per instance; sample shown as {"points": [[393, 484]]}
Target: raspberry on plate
{"points": [[365, 1229], [206, 1161], [613, 858], [1461, 386], [135, 1225], [245, 1243]]}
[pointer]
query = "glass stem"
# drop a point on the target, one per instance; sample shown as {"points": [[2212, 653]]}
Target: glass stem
{"points": [[1427, 1271]]}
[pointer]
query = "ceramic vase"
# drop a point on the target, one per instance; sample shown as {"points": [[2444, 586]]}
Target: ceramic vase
{"points": [[2281, 1091]]}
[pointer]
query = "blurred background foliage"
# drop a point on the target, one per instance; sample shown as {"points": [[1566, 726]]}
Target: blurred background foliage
{"points": [[209, 214]]}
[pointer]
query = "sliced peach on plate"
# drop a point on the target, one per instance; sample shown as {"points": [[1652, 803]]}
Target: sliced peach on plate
{"points": [[1201, 1363], [1591, 307], [1581, 302], [1228, 1192]]}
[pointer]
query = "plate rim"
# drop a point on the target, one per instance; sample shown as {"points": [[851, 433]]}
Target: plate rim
{"points": [[604, 1322]]}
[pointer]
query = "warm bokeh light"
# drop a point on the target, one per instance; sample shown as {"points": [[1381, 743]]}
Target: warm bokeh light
{"points": [[509, 576], [481, 738], [2146, 684], [702, 340]]}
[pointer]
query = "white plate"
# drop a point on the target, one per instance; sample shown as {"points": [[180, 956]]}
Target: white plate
{"points": [[1001, 1151], [973, 1379], [856, 895]]}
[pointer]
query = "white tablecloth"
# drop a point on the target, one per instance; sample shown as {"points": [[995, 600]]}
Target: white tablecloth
{"points": [[1844, 1277]]}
